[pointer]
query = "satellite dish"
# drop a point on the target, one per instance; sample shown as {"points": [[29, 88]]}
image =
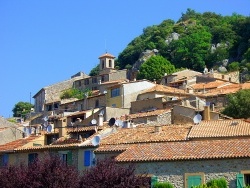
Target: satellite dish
{"points": [[111, 121], [119, 123], [96, 140], [49, 128], [93, 121], [45, 118], [197, 119]]}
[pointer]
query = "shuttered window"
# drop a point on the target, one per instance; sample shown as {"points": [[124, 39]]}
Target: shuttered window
{"points": [[194, 179], [239, 180], [89, 158]]}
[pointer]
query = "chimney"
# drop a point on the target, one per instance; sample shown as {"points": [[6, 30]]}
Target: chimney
{"points": [[100, 119], [158, 128], [206, 113], [126, 124]]}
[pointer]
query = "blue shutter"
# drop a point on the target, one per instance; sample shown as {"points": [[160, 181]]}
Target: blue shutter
{"points": [[5, 159], [87, 158], [239, 180]]}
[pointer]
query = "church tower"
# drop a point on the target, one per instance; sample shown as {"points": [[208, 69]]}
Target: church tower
{"points": [[107, 63]]}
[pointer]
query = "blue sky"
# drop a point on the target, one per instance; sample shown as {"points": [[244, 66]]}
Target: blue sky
{"points": [[43, 42]]}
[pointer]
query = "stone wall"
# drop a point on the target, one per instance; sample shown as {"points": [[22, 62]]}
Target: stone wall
{"points": [[174, 172]]}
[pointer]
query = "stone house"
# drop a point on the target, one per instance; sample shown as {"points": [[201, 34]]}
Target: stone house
{"points": [[158, 97], [48, 98], [9, 131], [184, 155], [121, 95], [107, 73], [180, 79]]}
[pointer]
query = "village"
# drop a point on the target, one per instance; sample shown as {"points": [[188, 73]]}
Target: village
{"points": [[172, 129]]}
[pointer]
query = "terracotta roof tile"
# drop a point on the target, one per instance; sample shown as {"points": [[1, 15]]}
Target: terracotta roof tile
{"points": [[106, 55], [147, 114], [84, 129], [147, 134], [187, 150], [210, 85], [220, 128], [164, 89], [17, 143]]}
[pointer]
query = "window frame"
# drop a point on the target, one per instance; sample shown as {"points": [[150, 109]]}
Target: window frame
{"points": [[115, 92], [187, 175]]}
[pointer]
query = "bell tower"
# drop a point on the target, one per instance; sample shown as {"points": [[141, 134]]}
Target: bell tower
{"points": [[107, 63]]}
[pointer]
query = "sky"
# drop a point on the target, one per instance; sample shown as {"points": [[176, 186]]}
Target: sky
{"points": [[43, 42]]}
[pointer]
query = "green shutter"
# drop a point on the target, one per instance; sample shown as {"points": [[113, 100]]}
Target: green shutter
{"points": [[194, 181], [154, 179], [239, 180], [69, 158]]}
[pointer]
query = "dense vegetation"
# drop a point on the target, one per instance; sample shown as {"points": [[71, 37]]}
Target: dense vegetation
{"points": [[195, 40], [238, 104], [52, 172], [21, 109]]}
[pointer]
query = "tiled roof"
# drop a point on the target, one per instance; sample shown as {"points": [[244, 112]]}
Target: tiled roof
{"points": [[147, 134], [17, 143], [220, 128], [209, 85], [83, 129], [46, 147], [164, 89], [106, 55], [147, 114], [112, 148], [187, 150]]}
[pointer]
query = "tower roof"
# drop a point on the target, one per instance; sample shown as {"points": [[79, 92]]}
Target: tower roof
{"points": [[106, 55]]}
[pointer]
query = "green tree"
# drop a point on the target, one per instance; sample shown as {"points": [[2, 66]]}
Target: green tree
{"points": [[238, 104], [155, 67], [21, 109], [94, 71], [191, 49], [234, 66]]}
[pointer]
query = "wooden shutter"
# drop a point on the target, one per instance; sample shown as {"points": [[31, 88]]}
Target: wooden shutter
{"points": [[5, 159], [69, 158], [87, 158], [194, 180], [239, 180], [154, 179]]}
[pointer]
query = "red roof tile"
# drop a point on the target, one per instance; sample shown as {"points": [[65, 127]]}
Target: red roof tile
{"points": [[187, 150], [17, 143], [220, 128]]}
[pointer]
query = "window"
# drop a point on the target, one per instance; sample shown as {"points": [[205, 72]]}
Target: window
{"points": [[102, 64], [86, 82], [94, 80], [243, 179], [115, 92], [110, 63], [4, 159], [193, 179], [103, 78], [94, 88], [32, 157], [79, 83], [66, 157], [89, 158], [97, 103]]}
